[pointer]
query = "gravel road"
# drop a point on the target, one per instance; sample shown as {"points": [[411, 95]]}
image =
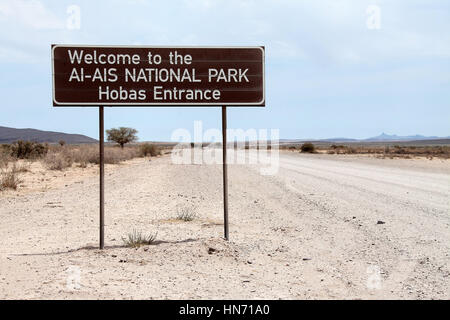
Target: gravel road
{"points": [[324, 226]]}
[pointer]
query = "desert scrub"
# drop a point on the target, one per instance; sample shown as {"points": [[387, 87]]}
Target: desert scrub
{"points": [[308, 147], [58, 160], [5, 158], [186, 214], [115, 155], [24, 167], [9, 178], [86, 154], [147, 149], [136, 239], [28, 149]]}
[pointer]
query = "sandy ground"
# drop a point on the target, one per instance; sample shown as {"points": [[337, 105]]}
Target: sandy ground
{"points": [[325, 226]]}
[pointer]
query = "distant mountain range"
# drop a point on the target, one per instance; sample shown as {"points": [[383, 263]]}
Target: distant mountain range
{"points": [[9, 135], [380, 138], [394, 137], [388, 137]]}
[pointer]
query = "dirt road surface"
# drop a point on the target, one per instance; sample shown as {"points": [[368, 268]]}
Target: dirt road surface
{"points": [[325, 226]]}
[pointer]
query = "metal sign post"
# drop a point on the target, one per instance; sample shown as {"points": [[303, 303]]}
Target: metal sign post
{"points": [[225, 174], [102, 177]]}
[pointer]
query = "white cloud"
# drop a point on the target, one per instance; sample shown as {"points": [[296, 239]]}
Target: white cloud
{"points": [[327, 32], [31, 14], [282, 49]]}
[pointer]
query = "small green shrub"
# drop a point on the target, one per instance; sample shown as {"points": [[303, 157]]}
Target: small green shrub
{"points": [[308, 147]]}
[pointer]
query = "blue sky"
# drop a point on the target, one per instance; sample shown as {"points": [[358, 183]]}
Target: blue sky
{"points": [[329, 71]]}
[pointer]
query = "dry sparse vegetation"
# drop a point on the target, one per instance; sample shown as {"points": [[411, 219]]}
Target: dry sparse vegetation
{"points": [[58, 160], [394, 151], [378, 150], [308, 147], [18, 157], [9, 177], [136, 239], [147, 149], [186, 214], [113, 155], [28, 149], [5, 158], [64, 157]]}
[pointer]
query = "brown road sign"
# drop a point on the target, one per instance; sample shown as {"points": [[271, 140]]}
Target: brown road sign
{"points": [[157, 76]]}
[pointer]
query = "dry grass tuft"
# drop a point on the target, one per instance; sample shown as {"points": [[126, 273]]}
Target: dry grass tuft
{"points": [[136, 239], [5, 158], [9, 178], [186, 214]]}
